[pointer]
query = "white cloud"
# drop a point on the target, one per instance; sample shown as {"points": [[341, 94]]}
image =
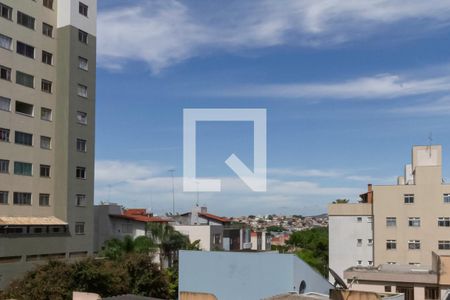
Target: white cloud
{"points": [[165, 32], [441, 106], [385, 86], [142, 189], [113, 171]]}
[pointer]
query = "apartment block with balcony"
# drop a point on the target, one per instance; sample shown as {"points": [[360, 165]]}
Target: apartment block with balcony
{"points": [[47, 118]]}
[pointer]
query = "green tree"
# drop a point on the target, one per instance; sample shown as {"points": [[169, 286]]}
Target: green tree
{"points": [[340, 201], [115, 249]]}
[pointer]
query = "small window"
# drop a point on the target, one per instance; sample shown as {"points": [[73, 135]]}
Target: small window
{"points": [[46, 86], [391, 221], [24, 108], [5, 104], [47, 58], [359, 242], [25, 49], [370, 263], [83, 9], [5, 73], [82, 91], [47, 30], [4, 135], [25, 79], [5, 42], [46, 142], [444, 222], [23, 138], [48, 3], [432, 293], [44, 199], [81, 200], [359, 219], [369, 219], [4, 166], [391, 244], [83, 36], [370, 242], [359, 262], [83, 63], [414, 222], [444, 245], [446, 198], [22, 198], [414, 245], [388, 288], [81, 173], [79, 228], [391, 263], [4, 197], [25, 20], [6, 11], [81, 145], [23, 168], [46, 114], [44, 171], [82, 117], [408, 198]]}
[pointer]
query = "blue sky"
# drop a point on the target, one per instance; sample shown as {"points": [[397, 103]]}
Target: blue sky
{"points": [[349, 87]]}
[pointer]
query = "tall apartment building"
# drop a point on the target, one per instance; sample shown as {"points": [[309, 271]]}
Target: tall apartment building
{"points": [[47, 109], [410, 220]]}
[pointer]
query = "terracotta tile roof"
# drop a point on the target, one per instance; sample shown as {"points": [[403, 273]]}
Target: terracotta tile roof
{"points": [[145, 219], [214, 217], [135, 211], [31, 221]]}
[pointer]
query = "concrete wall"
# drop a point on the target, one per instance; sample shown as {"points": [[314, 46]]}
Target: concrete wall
{"points": [[244, 275], [204, 233]]}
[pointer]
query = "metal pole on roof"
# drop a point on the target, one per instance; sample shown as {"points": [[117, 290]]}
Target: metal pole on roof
{"points": [[172, 171]]}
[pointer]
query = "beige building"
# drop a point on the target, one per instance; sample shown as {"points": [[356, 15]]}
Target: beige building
{"points": [[47, 109]]}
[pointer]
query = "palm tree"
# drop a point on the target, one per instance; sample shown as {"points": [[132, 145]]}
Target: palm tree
{"points": [[116, 249]]}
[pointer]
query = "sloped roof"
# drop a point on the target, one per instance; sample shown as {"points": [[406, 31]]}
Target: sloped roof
{"points": [[214, 217], [31, 221], [140, 218]]}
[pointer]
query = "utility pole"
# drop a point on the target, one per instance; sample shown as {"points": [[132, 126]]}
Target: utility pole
{"points": [[172, 171]]}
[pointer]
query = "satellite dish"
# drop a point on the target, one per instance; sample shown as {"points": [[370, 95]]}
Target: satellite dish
{"points": [[338, 280], [302, 288]]}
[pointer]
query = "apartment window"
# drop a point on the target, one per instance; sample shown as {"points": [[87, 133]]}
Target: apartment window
{"points": [[25, 20], [5, 73], [46, 142], [83, 36], [25, 49], [359, 219], [388, 288], [47, 58], [414, 222], [359, 242], [23, 138], [446, 198], [81, 173], [4, 166], [81, 145], [432, 293], [23, 168], [369, 219], [444, 222], [4, 197], [5, 104], [47, 29], [444, 245], [391, 244], [48, 3], [25, 79], [414, 264], [5, 42], [46, 114], [82, 117], [414, 245], [408, 198], [44, 199], [391, 263], [24, 108], [370, 263], [391, 221], [22, 198], [46, 86], [81, 200], [359, 262], [82, 91], [83, 9], [79, 228], [4, 135], [370, 242], [5, 11], [83, 63], [44, 171]]}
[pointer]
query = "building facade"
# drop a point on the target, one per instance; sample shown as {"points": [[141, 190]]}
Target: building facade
{"points": [[47, 124]]}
